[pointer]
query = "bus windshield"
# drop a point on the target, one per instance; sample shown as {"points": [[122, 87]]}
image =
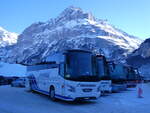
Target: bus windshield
{"points": [[100, 66], [81, 67]]}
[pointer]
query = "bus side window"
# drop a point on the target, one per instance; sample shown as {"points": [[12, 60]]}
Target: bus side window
{"points": [[61, 69]]}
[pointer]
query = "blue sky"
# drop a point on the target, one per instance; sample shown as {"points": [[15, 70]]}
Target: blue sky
{"points": [[132, 16]]}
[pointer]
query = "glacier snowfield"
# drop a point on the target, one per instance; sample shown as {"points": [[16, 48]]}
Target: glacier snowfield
{"points": [[18, 100]]}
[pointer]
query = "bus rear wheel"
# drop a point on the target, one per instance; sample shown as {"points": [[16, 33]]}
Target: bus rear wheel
{"points": [[52, 94]]}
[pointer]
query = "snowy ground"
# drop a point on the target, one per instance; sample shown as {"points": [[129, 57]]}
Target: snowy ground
{"points": [[17, 100]]}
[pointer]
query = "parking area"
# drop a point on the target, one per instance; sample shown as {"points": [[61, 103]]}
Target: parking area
{"points": [[18, 100]]}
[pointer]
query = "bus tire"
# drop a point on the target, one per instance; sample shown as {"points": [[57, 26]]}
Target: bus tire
{"points": [[28, 86], [52, 93]]}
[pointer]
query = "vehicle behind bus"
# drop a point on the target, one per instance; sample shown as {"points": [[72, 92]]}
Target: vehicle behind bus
{"points": [[103, 72], [118, 75], [133, 77]]}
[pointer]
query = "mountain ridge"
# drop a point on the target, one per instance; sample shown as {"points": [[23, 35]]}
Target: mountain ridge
{"points": [[72, 29]]}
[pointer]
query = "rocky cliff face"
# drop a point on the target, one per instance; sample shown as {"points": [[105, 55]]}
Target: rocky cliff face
{"points": [[141, 58], [72, 29]]}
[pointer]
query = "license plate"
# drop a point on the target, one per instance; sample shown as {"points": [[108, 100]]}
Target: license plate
{"points": [[87, 90]]}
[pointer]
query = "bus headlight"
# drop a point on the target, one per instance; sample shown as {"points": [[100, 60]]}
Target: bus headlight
{"points": [[71, 88]]}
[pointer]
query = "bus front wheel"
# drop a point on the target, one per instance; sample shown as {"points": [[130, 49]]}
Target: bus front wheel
{"points": [[52, 93]]}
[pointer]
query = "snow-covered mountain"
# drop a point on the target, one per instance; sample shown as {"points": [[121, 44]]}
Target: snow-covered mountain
{"points": [[7, 38], [141, 58], [143, 50], [7, 42], [73, 28]]}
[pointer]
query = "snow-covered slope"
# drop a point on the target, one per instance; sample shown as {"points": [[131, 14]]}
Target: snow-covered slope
{"points": [[7, 38], [141, 58], [73, 28]]}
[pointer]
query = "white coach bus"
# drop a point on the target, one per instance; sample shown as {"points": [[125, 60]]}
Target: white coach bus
{"points": [[69, 76]]}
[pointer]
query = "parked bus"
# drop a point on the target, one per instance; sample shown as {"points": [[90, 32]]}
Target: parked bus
{"points": [[103, 72], [70, 75], [133, 76], [118, 75]]}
